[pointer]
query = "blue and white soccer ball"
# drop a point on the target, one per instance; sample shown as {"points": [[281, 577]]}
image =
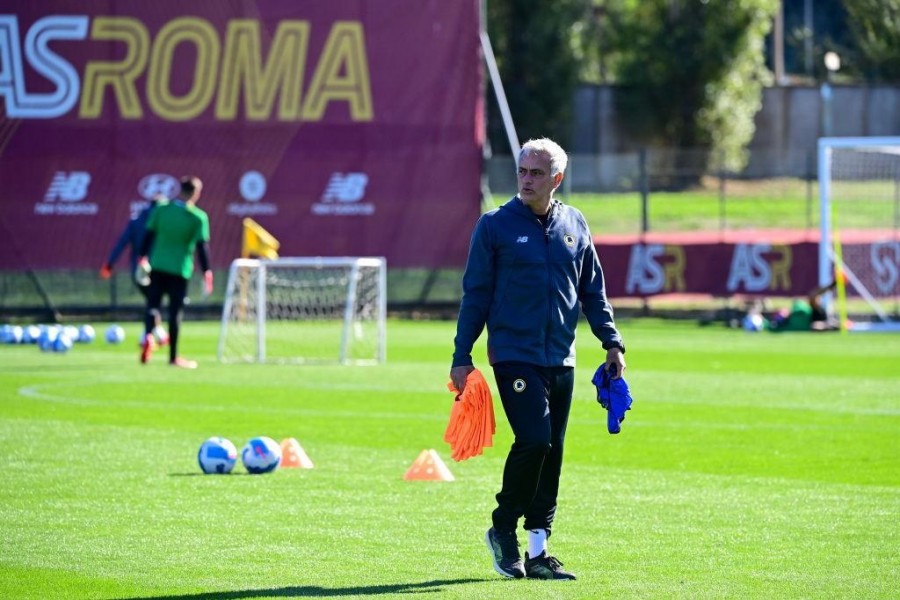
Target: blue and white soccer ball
{"points": [[62, 343], [16, 333], [86, 334], [753, 322], [115, 334], [217, 455], [48, 336], [261, 455], [71, 332], [31, 334], [6, 335]]}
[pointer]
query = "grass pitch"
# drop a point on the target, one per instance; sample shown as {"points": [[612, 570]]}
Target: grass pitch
{"points": [[752, 466]]}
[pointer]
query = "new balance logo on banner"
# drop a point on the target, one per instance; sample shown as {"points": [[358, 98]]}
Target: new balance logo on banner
{"points": [[65, 195], [345, 188], [343, 195], [68, 187]]}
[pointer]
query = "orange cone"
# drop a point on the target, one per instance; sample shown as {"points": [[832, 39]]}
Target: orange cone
{"points": [[293, 456], [428, 467]]}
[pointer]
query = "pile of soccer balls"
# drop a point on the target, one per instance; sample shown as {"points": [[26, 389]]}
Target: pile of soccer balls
{"points": [[218, 455], [56, 338]]}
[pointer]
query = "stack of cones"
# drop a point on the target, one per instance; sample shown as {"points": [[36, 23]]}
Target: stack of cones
{"points": [[293, 456], [472, 425], [428, 467]]}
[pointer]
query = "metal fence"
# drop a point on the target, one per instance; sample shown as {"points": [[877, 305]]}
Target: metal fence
{"points": [[653, 190]]}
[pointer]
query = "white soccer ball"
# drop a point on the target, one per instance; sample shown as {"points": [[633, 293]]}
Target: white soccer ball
{"points": [[16, 333], [86, 334], [261, 455], [753, 323], [115, 334], [217, 455]]}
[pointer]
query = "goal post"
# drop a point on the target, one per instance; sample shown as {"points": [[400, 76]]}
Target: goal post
{"points": [[859, 192], [305, 310]]}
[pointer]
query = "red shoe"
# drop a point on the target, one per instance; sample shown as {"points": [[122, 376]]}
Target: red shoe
{"points": [[147, 348], [184, 363]]}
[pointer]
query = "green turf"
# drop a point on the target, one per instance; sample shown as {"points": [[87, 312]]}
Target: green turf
{"points": [[752, 466]]}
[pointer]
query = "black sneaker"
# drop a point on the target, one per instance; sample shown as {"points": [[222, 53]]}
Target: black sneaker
{"points": [[504, 549], [544, 566]]}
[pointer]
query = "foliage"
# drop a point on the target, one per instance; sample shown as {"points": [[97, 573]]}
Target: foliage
{"points": [[876, 27], [594, 39], [532, 43], [693, 72]]}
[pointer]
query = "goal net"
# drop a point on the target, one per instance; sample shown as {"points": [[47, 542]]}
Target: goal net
{"points": [[305, 310], [859, 188]]}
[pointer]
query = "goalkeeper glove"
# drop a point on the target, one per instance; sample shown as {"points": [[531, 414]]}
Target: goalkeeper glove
{"points": [[207, 283], [142, 272], [106, 271]]}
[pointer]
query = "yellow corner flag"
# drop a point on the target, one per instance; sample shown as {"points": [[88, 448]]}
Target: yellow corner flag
{"points": [[257, 242], [840, 278]]}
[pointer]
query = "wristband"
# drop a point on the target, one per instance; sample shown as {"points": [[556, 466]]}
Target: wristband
{"points": [[611, 345]]}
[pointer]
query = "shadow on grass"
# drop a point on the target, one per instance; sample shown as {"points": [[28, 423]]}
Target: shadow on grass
{"points": [[316, 591], [202, 474]]}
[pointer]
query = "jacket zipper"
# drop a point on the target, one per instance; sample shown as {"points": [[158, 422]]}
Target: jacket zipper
{"points": [[549, 321]]}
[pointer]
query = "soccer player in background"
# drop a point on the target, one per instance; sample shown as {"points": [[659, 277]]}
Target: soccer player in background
{"points": [[807, 314], [175, 230], [132, 237], [531, 266]]}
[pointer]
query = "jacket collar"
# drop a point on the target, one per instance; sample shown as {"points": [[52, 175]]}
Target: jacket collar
{"points": [[519, 208]]}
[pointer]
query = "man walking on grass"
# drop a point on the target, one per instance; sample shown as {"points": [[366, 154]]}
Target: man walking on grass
{"points": [[531, 266]]}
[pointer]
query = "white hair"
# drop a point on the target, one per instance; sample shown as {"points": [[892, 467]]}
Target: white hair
{"points": [[558, 158]]}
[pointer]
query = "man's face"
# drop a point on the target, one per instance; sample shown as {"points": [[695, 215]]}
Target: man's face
{"points": [[535, 182]]}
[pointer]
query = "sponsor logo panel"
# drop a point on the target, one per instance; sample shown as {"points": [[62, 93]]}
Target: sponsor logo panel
{"points": [[252, 188], [66, 194], [343, 195]]}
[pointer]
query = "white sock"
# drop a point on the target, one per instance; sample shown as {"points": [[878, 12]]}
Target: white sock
{"points": [[537, 542]]}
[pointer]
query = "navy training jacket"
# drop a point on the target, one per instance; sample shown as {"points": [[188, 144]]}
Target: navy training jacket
{"points": [[526, 282], [133, 237]]}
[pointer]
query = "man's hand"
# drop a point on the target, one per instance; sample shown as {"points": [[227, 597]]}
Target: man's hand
{"points": [[458, 376], [106, 271], [614, 357], [208, 282]]}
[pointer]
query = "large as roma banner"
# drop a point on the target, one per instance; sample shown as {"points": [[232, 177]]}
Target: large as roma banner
{"points": [[344, 128]]}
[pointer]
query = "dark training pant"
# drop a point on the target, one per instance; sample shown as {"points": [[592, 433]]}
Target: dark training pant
{"points": [[145, 292], [536, 401], [175, 287]]}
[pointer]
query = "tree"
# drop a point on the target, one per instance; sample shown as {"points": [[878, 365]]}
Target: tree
{"points": [[876, 27], [693, 72], [532, 40]]}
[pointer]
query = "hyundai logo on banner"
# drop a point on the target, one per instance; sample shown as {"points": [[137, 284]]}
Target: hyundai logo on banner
{"points": [[158, 184], [153, 186], [65, 195], [343, 195]]}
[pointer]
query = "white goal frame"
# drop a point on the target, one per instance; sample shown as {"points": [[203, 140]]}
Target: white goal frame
{"points": [[827, 257], [349, 315]]}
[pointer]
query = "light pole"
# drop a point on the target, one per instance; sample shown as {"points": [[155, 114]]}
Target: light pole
{"points": [[832, 65]]}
